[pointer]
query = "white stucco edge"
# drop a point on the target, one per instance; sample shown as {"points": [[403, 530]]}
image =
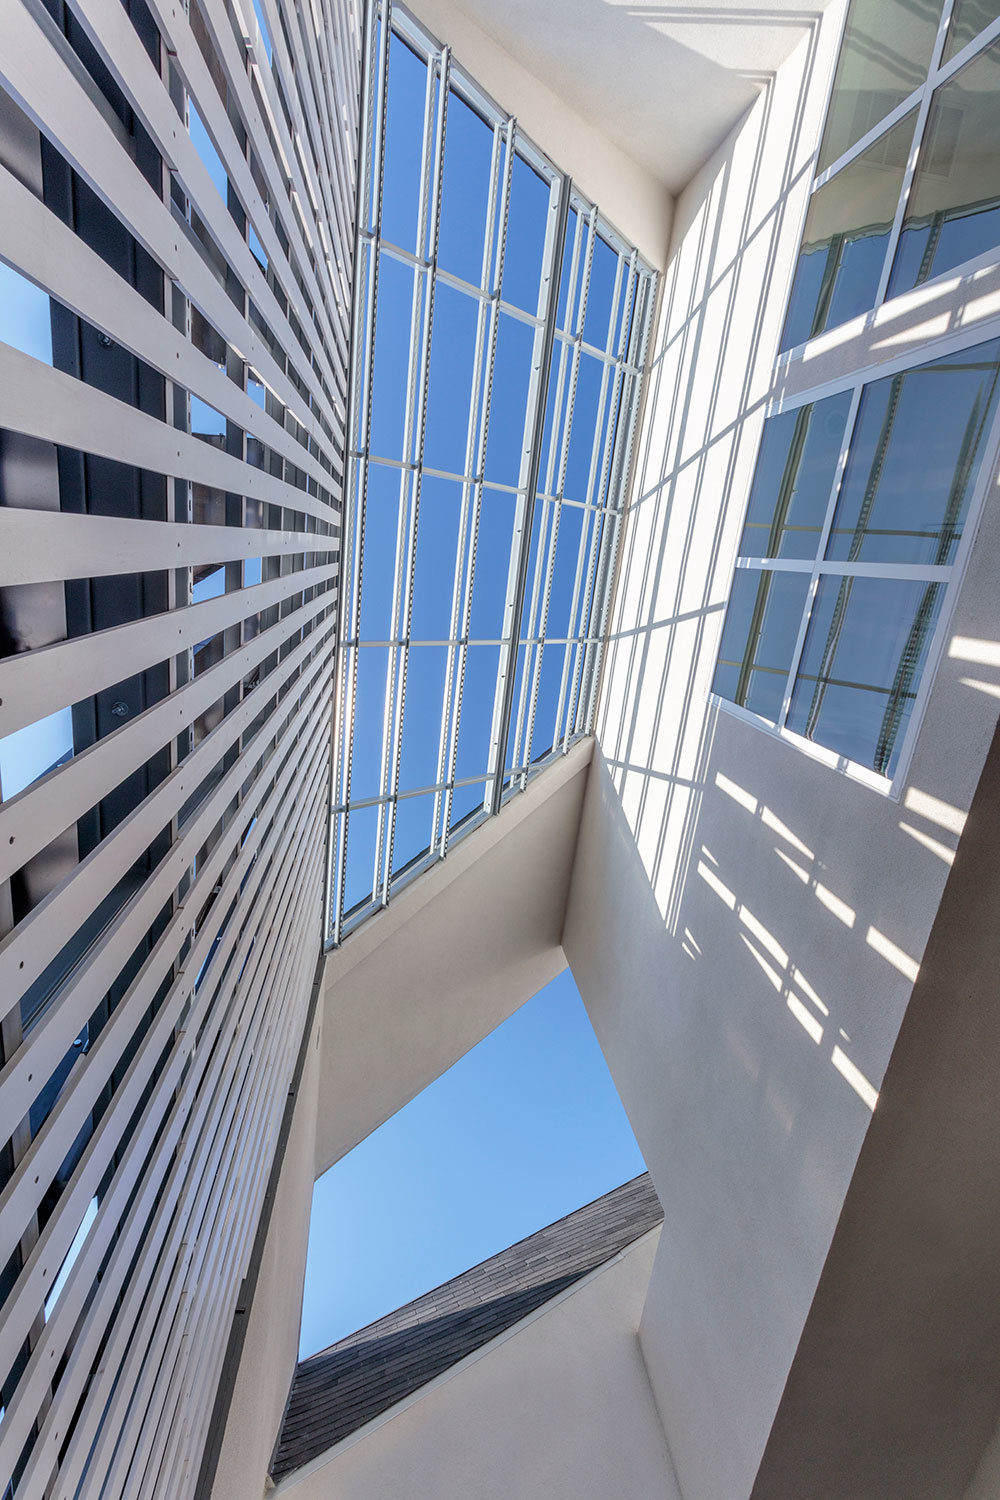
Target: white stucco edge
{"points": [[287, 1484]]}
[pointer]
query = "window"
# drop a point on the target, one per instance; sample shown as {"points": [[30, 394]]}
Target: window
{"points": [[908, 184], [857, 511], [500, 329]]}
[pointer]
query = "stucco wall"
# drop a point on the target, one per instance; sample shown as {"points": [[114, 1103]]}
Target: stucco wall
{"points": [[561, 1408], [745, 923]]}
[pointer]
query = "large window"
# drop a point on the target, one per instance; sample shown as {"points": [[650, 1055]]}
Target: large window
{"points": [[500, 329], [858, 510], [909, 165]]}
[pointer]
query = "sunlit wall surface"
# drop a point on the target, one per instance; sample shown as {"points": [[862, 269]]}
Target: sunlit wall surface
{"points": [[908, 185], [499, 333]]}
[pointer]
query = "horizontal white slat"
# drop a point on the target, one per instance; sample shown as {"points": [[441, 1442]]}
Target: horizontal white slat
{"points": [[71, 119], [37, 683], [131, 65], [25, 1189], [37, 243], [26, 1299], [32, 819], [180, 1127], [230, 1185], [38, 545], [51, 404], [54, 1033]]}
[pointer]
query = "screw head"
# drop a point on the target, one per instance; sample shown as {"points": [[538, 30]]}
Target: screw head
{"points": [[119, 709], [105, 341]]}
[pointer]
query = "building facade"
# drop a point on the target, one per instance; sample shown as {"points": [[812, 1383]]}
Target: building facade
{"points": [[725, 744]]}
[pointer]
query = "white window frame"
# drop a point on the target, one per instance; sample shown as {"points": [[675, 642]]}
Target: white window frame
{"points": [[950, 575]]}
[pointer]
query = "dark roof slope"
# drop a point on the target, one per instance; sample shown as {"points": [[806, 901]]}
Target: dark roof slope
{"points": [[340, 1389]]}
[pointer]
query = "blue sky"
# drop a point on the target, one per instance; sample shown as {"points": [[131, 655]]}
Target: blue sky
{"points": [[523, 1129]]}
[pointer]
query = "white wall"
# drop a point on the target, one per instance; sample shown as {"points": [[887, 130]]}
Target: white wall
{"points": [[559, 1408], [744, 923], [448, 959]]}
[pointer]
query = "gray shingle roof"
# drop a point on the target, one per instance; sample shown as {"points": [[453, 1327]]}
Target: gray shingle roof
{"points": [[340, 1389]]}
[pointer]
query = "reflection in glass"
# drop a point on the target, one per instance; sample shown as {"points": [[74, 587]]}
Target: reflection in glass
{"points": [[953, 210], [861, 663], [885, 54], [917, 447], [968, 19], [758, 638], [404, 134], [845, 238], [526, 226], [791, 485], [465, 191]]}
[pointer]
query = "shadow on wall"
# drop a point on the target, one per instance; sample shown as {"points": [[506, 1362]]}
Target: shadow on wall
{"points": [[722, 294]]}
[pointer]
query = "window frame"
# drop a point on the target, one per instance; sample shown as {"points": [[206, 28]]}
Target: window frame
{"points": [[951, 575], [938, 73]]}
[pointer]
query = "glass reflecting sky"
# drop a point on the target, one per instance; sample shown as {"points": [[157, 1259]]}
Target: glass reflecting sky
{"points": [[499, 330]]}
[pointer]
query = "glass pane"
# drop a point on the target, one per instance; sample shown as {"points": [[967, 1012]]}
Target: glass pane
{"points": [[437, 548], [564, 571], [393, 316], [404, 135], [845, 238], [467, 802], [916, 450], [603, 269], [476, 723], [362, 830], [465, 192], [885, 54], [758, 638], [453, 353], [546, 730], [509, 401], [378, 565], [367, 725], [425, 680], [860, 669], [953, 211], [968, 18], [514, 753], [526, 224], [791, 486], [586, 410]]}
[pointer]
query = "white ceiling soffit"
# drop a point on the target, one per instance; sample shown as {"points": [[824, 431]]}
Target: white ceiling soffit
{"points": [[665, 83]]}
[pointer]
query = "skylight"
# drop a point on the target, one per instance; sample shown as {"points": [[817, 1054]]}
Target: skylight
{"points": [[500, 328]]}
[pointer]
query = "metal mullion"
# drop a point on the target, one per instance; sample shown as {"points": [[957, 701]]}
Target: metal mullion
{"points": [[821, 545], [543, 614], [413, 792], [360, 403], [914, 153], [461, 628], [639, 335], [428, 229], [521, 547]]}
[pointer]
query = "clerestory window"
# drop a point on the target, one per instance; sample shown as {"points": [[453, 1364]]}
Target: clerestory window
{"points": [[500, 329]]}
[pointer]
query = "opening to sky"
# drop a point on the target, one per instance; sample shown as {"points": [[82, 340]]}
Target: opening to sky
{"points": [[525, 1128]]}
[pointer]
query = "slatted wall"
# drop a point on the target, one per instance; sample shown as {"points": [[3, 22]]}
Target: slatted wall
{"points": [[176, 223]]}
